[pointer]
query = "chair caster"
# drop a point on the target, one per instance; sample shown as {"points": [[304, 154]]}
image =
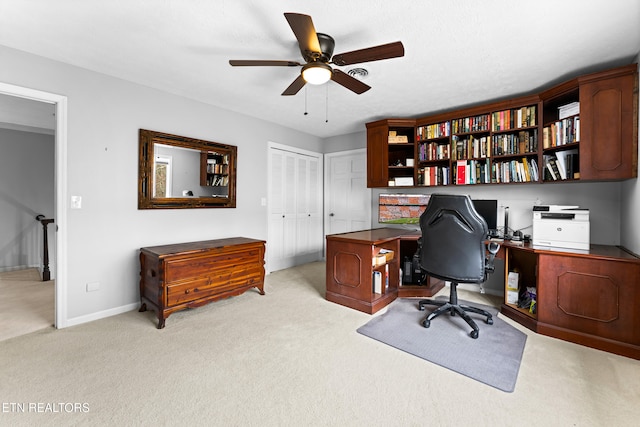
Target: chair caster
{"points": [[489, 321], [420, 307], [426, 323], [473, 334]]}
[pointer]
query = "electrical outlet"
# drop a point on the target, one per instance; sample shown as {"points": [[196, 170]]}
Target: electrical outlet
{"points": [[93, 286]]}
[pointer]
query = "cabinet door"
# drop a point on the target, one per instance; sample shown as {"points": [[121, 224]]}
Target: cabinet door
{"points": [[608, 141], [377, 156], [585, 299]]}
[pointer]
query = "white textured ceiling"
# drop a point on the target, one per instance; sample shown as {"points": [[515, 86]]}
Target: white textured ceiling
{"points": [[457, 52]]}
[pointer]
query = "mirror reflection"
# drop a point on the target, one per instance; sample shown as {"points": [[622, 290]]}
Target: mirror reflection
{"points": [[176, 172]]}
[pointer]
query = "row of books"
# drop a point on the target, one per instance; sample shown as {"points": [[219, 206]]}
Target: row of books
{"points": [[523, 170], [525, 141], [217, 168], [470, 124], [438, 130], [433, 151], [466, 172], [513, 118], [561, 132], [469, 147], [434, 175], [562, 165], [217, 180], [472, 172]]}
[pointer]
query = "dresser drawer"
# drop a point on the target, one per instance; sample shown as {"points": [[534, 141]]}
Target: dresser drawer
{"points": [[198, 266], [216, 282]]}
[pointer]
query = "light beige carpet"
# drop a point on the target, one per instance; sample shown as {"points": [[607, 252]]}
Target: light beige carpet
{"points": [[26, 303], [291, 358]]}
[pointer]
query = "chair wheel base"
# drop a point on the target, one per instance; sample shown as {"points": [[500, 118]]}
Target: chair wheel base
{"points": [[489, 321], [473, 334], [426, 323]]}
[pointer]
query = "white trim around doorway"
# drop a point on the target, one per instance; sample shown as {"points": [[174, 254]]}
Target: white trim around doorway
{"points": [[60, 102]]}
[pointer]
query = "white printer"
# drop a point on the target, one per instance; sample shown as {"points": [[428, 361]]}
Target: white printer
{"points": [[561, 226]]}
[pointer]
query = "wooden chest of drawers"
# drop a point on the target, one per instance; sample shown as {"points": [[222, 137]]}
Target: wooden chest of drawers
{"points": [[186, 275]]}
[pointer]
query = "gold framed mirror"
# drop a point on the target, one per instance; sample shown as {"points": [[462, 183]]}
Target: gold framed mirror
{"points": [[177, 172]]}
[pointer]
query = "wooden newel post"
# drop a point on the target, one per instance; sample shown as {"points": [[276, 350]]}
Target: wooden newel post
{"points": [[46, 273]]}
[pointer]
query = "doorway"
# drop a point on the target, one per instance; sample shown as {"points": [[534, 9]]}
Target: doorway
{"points": [[59, 103]]}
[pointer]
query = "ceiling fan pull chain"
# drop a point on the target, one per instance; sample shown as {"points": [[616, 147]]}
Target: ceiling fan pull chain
{"points": [[326, 114], [305, 101]]}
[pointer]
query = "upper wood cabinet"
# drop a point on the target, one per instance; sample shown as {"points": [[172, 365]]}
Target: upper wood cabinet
{"points": [[609, 127], [583, 129], [387, 158]]}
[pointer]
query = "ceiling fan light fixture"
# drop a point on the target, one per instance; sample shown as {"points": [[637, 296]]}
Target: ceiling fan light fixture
{"points": [[316, 73]]}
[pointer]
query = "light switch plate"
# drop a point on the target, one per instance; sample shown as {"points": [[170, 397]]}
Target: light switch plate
{"points": [[76, 202]]}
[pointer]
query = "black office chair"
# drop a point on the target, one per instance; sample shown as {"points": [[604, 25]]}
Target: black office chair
{"points": [[453, 248]]}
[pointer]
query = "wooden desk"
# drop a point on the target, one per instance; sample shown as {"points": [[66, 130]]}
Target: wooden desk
{"points": [[350, 269], [586, 297]]}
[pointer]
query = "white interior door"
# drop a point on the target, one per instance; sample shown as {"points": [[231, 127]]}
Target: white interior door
{"points": [[347, 198]]}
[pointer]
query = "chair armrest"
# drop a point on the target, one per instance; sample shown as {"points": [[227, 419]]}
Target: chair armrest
{"points": [[492, 249]]}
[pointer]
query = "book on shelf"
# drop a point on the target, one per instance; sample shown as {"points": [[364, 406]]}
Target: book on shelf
{"points": [[551, 165], [403, 181], [377, 282], [512, 287], [567, 161], [461, 172], [398, 139], [570, 109]]}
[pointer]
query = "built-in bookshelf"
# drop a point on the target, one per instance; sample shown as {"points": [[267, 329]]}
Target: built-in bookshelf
{"points": [[561, 138], [434, 154], [470, 150], [554, 135], [215, 169]]}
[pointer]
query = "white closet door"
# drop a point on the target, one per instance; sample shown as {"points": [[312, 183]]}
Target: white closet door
{"points": [[295, 209]]}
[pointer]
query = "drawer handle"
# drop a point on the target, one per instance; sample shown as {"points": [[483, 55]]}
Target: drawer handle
{"points": [[187, 291]]}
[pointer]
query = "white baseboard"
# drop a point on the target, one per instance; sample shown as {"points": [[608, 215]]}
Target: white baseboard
{"points": [[102, 314], [19, 267]]}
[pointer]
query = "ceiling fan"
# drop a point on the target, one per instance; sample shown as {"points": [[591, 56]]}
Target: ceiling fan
{"points": [[317, 51]]}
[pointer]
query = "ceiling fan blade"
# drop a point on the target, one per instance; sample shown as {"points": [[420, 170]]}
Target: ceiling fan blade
{"points": [[305, 32], [376, 53], [295, 86], [260, 63], [349, 82]]}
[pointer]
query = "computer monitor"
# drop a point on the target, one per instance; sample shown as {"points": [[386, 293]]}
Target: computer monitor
{"points": [[401, 208], [488, 209]]}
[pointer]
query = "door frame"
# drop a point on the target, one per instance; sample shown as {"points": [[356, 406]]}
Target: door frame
{"points": [[60, 184]]}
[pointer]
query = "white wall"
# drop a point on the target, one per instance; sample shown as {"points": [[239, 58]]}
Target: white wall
{"points": [[630, 211], [26, 190], [602, 200], [104, 115], [347, 142]]}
